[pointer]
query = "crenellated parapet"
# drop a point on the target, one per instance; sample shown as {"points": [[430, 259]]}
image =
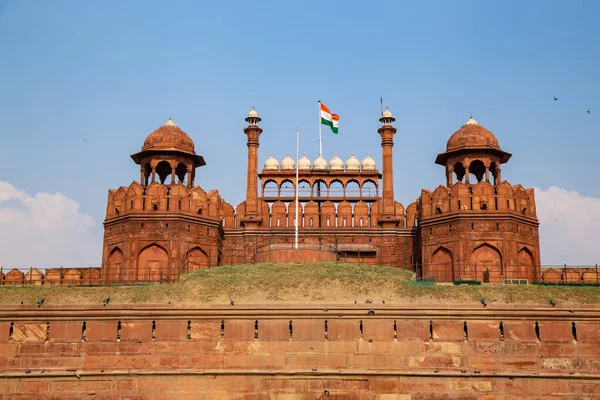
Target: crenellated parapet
{"points": [[482, 196]]}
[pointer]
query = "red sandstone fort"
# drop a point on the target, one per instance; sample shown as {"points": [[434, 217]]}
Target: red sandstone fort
{"points": [[473, 227]]}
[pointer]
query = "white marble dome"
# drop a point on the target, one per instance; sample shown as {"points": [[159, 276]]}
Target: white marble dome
{"points": [[387, 113], [368, 164], [336, 164], [287, 163], [352, 164], [320, 164], [304, 163], [253, 113], [272, 163]]}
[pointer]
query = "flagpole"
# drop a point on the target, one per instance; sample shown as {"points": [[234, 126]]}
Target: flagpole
{"points": [[320, 137], [297, 151]]}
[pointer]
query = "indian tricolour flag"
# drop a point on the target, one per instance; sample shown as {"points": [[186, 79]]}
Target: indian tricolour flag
{"points": [[329, 119]]}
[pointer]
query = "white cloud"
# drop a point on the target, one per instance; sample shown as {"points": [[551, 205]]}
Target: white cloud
{"points": [[569, 227], [44, 230]]}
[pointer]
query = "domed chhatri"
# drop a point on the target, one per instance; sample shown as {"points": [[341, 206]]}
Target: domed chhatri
{"points": [[253, 119], [169, 137], [304, 163], [336, 164], [287, 163], [320, 164], [271, 163], [352, 164], [368, 164], [472, 136]]}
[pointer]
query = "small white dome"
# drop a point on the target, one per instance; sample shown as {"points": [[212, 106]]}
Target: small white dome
{"points": [[387, 113], [170, 123], [320, 164], [336, 164], [287, 163], [368, 164], [352, 164], [272, 163], [304, 163], [471, 121], [252, 113]]}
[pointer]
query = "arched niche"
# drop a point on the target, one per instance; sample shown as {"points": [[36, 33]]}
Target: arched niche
{"points": [[197, 259], [152, 261], [486, 264], [441, 266], [114, 265], [526, 265]]}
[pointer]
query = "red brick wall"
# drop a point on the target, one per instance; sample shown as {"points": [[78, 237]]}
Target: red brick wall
{"points": [[401, 352]]}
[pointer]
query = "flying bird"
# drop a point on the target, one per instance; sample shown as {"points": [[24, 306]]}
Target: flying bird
{"points": [[589, 111], [555, 98]]}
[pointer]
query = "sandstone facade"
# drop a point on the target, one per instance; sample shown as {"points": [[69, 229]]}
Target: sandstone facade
{"points": [[474, 228]]}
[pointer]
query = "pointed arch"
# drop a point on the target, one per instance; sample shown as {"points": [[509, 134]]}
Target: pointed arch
{"points": [[114, 265], [486, 264], [442, 265], [196, 258], [336, 188], [526, 265], [153, 260]]}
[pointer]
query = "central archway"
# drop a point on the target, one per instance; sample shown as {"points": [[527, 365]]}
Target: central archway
{"points": [[153, 262], [486, 264]]}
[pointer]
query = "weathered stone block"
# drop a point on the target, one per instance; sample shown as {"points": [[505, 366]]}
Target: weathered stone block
{"points": [[97, 331]]}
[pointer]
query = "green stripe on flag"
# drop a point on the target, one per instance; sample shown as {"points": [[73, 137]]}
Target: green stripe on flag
{"points": [[329, 124]]}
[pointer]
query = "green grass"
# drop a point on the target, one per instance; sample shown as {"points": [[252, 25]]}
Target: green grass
{"points": [[311, 282]]}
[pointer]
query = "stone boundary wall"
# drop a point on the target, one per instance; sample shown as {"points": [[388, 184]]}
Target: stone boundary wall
{"points": [[91, 276], [297, 352], [53, 276]]}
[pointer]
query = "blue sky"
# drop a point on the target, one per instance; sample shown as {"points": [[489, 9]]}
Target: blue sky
{"points": [[84, 82]]}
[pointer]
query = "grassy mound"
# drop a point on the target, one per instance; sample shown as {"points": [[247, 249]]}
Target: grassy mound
{"points": [[311, 282]]}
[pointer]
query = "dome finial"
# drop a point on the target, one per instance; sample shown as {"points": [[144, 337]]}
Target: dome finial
{"points": [[471, 121], [170, 122]]}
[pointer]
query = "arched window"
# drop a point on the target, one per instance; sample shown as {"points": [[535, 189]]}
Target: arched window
{"points": [[164, 171], [320, 188], [352, 189], [147, 173], [303, 188], [459, 171], [476, 171], [287, 189], [369, 189], [181, 173], [336, 189], [270, 189]]}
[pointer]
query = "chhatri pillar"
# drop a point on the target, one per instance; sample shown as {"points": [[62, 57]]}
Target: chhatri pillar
{"points": [[251, 218], [387, 131]]}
